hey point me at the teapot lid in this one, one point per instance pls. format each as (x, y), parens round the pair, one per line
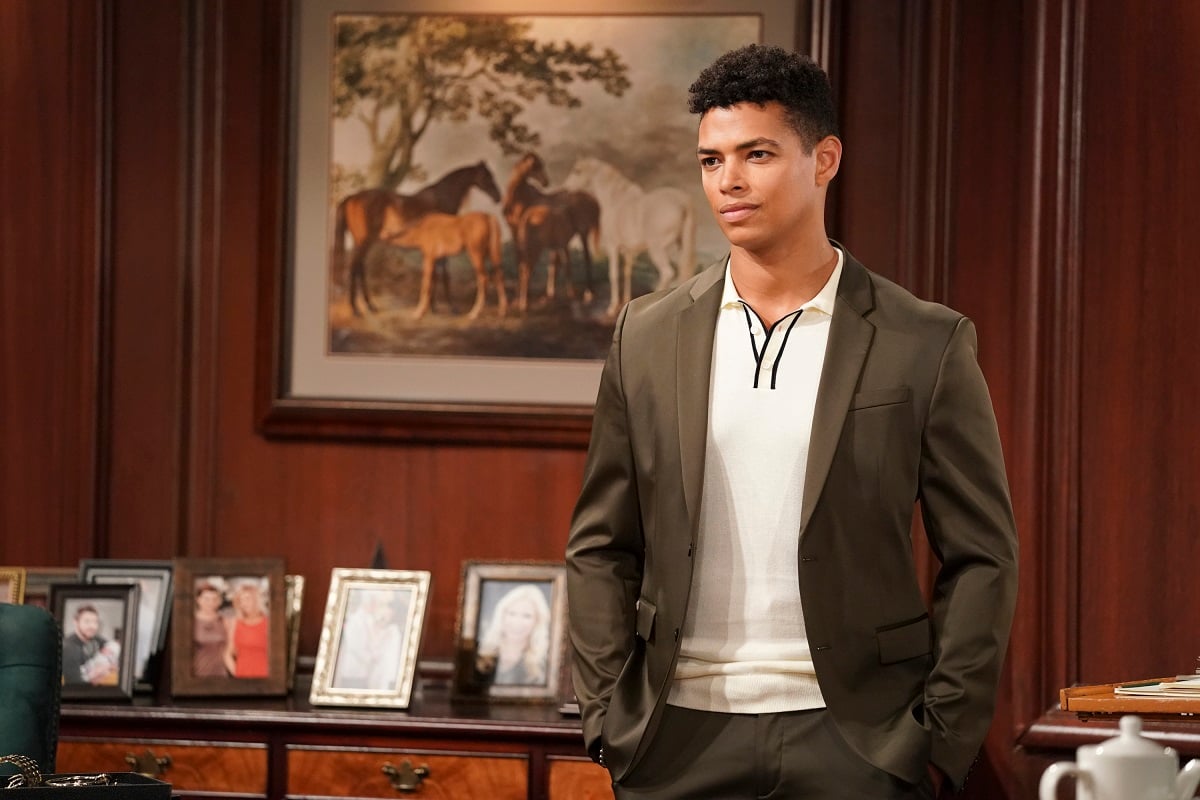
(1131, 743)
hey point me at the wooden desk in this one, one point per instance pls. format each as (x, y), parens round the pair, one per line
(1090, 714)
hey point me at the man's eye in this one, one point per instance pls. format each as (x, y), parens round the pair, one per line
(759, 154)
(711, 161)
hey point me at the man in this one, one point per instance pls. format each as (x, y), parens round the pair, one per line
(744, 610)
(369, 653)
(87, 657)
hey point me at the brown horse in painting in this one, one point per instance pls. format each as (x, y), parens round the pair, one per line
(559, 217)
(541, 228)
(373, 215)
(439, 236)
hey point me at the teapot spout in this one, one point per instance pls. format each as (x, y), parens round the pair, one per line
(1187, 780)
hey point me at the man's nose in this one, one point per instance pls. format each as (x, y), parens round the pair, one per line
(732, 177)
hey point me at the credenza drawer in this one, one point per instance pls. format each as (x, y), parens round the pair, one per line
(235, 767)
(575, 779)
(341, 772)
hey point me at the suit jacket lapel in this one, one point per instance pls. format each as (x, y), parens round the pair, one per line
(849, 341)
(693, 365)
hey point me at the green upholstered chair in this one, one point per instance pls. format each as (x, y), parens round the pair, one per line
(30, 685)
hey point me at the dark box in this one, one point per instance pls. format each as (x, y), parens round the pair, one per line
(126, 786)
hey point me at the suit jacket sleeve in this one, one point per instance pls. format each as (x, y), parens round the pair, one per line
(968, 519)
(604, 552)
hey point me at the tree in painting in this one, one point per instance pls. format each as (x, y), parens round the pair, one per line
(398, 74)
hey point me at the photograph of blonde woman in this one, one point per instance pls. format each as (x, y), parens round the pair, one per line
(210, 634)
(248, 644)
(514, 638)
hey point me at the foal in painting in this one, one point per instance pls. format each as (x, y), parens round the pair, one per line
(439, 236)
(373, 215)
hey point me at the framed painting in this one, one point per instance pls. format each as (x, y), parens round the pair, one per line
(229, 627)
(154, 606)
(99, 624)
(452, 272)
(12, 585)
(370, 638)
(511, 631)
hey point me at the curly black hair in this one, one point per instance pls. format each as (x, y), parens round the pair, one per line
(762, 74)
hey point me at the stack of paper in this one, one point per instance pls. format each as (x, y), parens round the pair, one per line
(1182, 686)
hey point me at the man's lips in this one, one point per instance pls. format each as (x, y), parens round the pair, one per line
(734, 212)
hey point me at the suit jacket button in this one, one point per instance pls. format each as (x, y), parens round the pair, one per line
(677, 634)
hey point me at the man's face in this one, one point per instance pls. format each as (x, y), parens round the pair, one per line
(762, 186)
(87, 625)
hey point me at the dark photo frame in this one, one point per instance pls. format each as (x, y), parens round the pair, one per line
(154, 580)
(229, 628)
(97, 624)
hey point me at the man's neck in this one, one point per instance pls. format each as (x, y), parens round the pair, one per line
(777, 286)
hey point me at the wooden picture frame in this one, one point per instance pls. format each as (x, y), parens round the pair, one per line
(154, 580)
(96, 619)
(12, 585)
(370, 638)
(230, 615)
(510, 634)
(449, 381)
(39, 580)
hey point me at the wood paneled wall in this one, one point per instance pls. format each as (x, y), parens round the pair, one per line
(52, 304)
(1028, 163)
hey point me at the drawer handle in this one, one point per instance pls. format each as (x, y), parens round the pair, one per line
(148, 764)
(407, 778)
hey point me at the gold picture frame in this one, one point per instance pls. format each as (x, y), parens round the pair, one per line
(370, 638)
(295, 603)
(12, 585)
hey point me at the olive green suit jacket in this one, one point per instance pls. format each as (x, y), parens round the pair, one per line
(902, 416)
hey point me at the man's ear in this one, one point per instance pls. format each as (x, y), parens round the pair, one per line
(827, 155)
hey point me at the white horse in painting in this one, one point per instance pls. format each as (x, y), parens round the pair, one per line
(659, 222)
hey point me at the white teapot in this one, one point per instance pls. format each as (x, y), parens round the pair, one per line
(1127, 767)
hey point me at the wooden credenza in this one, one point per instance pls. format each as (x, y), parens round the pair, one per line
(284, 748)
